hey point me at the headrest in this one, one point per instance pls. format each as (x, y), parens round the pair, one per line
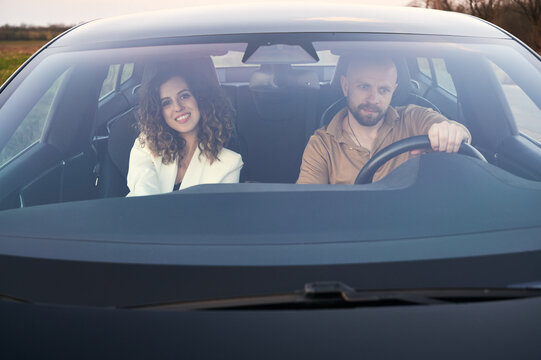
(201, 67)
(283, 78)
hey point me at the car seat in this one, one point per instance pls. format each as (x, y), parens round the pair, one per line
(274, 113)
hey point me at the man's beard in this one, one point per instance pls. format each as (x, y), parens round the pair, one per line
(366, 120)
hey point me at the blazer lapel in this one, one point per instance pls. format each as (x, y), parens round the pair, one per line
(195, 171)
(166, 174)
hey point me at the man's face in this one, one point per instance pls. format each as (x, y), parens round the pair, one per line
(369, 89)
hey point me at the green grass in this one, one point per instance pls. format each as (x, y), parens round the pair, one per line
(8, 65)
(13, 54)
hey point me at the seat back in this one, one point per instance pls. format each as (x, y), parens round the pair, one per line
(122, 132)
(274, 114)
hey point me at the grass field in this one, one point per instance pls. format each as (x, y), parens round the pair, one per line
(13, 54)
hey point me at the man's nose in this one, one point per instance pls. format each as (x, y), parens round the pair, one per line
(373, 96)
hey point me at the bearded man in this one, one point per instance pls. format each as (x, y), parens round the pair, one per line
(336, 153)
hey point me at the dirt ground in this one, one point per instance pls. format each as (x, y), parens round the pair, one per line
(20, 47)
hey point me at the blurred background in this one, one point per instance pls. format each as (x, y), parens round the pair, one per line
(26, 25)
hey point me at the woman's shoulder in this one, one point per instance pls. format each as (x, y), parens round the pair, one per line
(141, 150)
(229, 156)
(139, 144)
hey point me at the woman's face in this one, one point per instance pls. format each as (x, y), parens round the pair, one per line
(179, 107)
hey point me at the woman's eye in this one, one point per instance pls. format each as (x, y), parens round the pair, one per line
(185, 96)
(165, 103)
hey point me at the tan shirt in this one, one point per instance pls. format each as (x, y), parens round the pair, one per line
(332, 157)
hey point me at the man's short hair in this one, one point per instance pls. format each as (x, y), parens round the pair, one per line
(367, 59)
(354, 59)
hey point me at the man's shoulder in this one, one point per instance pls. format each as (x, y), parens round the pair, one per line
(412, 110)
(330, 132)
(418, 114)
(321, 132)
(321, 136)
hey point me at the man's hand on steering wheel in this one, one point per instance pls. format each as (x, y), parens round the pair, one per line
(408, 144)
(445, 137)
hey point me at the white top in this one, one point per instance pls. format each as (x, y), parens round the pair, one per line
(147, 175)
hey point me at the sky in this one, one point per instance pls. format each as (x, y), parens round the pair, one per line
(72, 12)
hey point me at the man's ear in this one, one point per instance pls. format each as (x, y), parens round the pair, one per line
(344, 84)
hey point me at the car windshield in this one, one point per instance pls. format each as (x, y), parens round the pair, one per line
(440, 71)
(69, 121)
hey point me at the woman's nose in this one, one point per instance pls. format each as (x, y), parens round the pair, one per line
(178, 104)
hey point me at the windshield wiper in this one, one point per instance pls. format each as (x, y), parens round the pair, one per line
(321, 290)
(13, 299)
(337, 295)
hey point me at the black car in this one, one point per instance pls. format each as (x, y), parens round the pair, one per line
(440, 259)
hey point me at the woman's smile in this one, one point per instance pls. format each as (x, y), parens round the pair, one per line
(183, 118)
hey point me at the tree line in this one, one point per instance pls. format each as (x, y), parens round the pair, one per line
(521, 18)
(26, 32)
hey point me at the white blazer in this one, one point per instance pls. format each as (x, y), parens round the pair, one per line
(147, 175)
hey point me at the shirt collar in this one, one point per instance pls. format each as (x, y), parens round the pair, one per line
(335, 126)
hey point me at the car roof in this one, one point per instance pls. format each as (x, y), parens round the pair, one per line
(278, 18)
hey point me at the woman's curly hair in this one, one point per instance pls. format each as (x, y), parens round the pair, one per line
(215, 126)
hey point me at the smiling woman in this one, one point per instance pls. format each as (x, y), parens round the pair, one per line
(184, 128)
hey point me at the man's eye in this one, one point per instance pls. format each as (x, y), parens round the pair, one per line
(384, 91)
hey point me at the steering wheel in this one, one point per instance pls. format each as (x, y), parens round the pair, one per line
(415, 142)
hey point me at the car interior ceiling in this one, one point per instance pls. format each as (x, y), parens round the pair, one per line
(276, 112)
